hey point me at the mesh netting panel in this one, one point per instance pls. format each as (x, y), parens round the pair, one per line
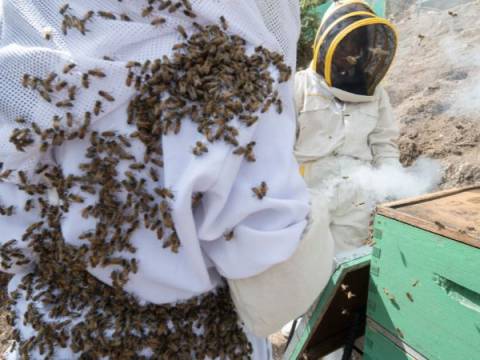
(25, 49)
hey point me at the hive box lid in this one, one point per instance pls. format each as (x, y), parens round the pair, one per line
(454, 214)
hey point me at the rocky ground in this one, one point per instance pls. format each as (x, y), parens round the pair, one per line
(435, 89)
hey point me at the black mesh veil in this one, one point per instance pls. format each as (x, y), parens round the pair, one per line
(354, 48)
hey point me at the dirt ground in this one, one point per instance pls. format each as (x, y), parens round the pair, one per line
(435, 89)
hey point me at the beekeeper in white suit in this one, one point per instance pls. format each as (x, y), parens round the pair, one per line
(345, 120)
(129, 192)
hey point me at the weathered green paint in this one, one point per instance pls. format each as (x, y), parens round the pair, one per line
(425, 289)
(378, 347)
(379, 7)
(303, 333)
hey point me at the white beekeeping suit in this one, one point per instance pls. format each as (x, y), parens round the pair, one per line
(345, 120)
(111, 178)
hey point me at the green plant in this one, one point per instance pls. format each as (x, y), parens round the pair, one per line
(310, 21)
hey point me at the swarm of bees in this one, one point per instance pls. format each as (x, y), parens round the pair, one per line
(210, 80)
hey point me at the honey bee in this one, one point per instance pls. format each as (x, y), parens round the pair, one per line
(45, 96)
(154, 174)
(137, 166)
(138, 82)
(164, 193)
(61, 85)
(165, 5)
(97, 73)
(72, 91)
(6, 174)
(132, 64)
(200, 149)
(353, 60)
(125, 17)
(124, 141)
(64, 9)
(23, 177)
(260, 191)
(198, 27)
(182, 31)
(106, 96)
(47, 34)
(279, 106)
(85, 81)
(157, 162)
(246, 151)
(196, 199)
(350, 295)
(65, 26)
(129, 79)
(20, 120)
(25, 80)
(97, 108)
(56, 122)
(229, 235)
(189, 13)
(248, 120)
(107, 58)
(409, 296)
(87, 119)
(64, 103)
(107, 15)
(36, 128)
(44, 146)
(389, 295)
(174, 7)
(158, 21)
(134, 265)
(186, 4)
(231, 140)
(88, 15)
(378, 51)
(267, 105)
(224, 23)
(147, 11)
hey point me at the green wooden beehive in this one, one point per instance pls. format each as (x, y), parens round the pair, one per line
(424, 294)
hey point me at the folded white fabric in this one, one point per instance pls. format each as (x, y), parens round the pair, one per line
(284, 292)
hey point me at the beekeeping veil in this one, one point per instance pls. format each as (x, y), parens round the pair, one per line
(353, 48)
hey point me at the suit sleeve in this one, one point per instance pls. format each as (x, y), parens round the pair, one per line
(382, 139)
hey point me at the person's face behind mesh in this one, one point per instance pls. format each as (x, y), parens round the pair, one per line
(348, 63)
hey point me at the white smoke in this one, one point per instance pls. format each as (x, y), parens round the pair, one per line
(391, 182)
